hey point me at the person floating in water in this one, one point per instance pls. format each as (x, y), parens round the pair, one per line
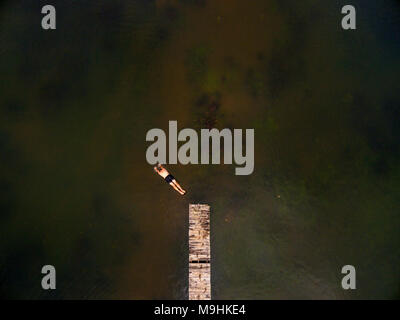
(169, 178)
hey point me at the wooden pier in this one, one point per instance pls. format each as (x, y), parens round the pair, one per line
(199, 252)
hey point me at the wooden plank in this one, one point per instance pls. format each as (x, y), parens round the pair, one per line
(199, 252)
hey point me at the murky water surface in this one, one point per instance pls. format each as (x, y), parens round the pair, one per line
(76, 190)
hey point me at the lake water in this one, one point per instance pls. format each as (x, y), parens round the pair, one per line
(76, 190)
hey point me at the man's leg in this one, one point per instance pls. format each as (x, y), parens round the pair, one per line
(176, 188)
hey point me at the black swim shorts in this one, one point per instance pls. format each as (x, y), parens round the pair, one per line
(169, 178)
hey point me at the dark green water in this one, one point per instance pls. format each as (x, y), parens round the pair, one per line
(77, 192)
